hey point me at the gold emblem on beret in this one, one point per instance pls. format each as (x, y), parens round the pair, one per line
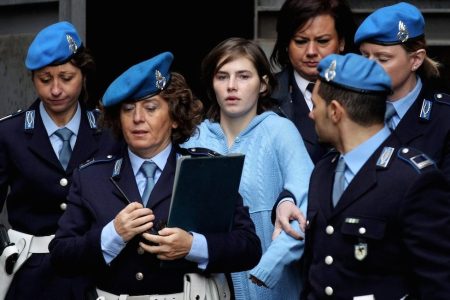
(160, 80)
(330, 73)
(403, 33)
(72, 45)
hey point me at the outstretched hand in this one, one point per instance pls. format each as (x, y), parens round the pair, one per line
(286, 212)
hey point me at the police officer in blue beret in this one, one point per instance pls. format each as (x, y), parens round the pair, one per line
(112, 205)
(39, 149)
(378, 212)
(418, 114)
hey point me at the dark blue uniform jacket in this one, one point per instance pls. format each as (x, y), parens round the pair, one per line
(388, 235)
(94, 201)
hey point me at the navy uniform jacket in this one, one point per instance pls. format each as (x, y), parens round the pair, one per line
(94, 201)
(426, 126)
(38, 186)
(388, 235)
(292, 105)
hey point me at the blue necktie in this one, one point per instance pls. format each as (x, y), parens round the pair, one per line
(64, 153)
(339, 181)
(389, 116)
(148, 168)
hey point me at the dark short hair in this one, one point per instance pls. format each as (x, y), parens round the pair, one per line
(184, 108)
(294, 14)
(227, 51)
(363, 108)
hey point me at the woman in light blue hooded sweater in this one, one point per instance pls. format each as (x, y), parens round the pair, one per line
(238, 79)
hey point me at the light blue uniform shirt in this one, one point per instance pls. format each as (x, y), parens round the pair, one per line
(111, 241)
(51, 127)
(358, 156)
(403, 104)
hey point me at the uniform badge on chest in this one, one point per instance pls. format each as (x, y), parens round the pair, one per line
(361, 251)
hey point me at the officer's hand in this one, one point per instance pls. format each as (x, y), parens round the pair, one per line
(132, 220)
(257, 281)
(287, 211)
(169, 244)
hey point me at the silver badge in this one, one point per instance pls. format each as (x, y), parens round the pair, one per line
(361, 250)
(72, 45)
(117, 166)
(160, 80)
(29, 119)
(403, 33)
(385, 157)
(426, 109)
(330, 73)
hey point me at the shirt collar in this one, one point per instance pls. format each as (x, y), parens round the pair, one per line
(51, 127)
(403, 104)
(159, 159)
(358, 156)
(302, 83)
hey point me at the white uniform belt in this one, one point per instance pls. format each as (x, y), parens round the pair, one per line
(38, 244)
(102, 295)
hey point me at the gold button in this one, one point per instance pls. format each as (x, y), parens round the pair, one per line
(329, 290)
(63, 182)
(140, 250)
(63, 206)
(328, 260)
(329, 229)
(139, 276)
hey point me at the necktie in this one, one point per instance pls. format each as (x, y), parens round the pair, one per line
(389, 115)
(64, 153)
(339, 181)
(148, 168)
(310, 87)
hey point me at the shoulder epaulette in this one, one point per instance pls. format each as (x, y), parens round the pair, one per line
(442, 98)
(198, 151)
(94, 161)
(415, 158)
(20, 111)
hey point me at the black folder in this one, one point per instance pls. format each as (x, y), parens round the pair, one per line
(205, 192)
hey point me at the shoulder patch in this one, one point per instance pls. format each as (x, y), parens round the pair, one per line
(94, 161)
(417, 159)
(14, 114)
(442, 98)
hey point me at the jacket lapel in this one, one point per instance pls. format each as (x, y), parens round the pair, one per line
(126, 182)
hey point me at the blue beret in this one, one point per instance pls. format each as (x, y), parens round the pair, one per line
(354, 72)
(391, 25)
(143, 80)
(54, 44)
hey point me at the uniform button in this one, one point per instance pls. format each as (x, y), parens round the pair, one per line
(406, 150)
(237, 140)
(109, 156)
(307, 223)
(63, 206)
(362, 230)
(140, 250)
(329, 290)
(139, 276)
(439, 96)
(329, 229)
(63, 182)
(328, 260)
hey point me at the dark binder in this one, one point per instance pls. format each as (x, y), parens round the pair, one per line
(205, 192)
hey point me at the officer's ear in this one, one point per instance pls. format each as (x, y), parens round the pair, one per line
(335, 111)
(417, 58)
